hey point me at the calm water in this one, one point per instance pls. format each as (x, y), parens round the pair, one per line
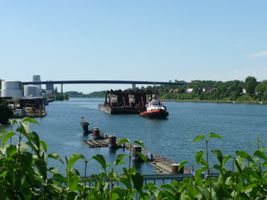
(240, 125)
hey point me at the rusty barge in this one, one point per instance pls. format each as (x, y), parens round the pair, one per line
(127, 101)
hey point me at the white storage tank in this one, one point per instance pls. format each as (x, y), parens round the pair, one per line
(12, 89)
(32, 91)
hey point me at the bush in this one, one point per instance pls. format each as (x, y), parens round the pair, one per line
(5, 112)
(246, 98)
(25, 174)
(61, 97)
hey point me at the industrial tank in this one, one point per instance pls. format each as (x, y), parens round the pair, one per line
(32, 91)
(12, 89)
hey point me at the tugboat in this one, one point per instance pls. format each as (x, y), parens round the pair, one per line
(155, 110)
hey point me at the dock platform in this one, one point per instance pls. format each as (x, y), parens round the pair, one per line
(162, 164)
(96, 143)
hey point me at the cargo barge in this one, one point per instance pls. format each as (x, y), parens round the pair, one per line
(117, 109)
(127, 101)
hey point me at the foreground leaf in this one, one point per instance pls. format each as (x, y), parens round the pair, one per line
(140, 143)
(138, 181)
(7, 136)
(123, 141)
(199, 156)
(198, 138)
(101, 160)
(120, 159)
(214, 135)
(30, 120)
(73, 159)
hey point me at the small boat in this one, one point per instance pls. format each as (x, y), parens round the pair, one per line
(155, 110)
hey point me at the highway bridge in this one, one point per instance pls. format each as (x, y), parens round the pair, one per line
(133, 83)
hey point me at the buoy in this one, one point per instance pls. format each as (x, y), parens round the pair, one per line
(112, 141)
(96, 133)
(149, 156)
(85, 128)
(175, 167)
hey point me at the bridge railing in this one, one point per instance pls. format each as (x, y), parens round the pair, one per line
(105, 82)
(158, 179)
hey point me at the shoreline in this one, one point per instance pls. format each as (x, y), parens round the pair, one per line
(216, 101)
(198, 101)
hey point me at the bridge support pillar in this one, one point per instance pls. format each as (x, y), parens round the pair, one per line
(61, 88)
(133, 86)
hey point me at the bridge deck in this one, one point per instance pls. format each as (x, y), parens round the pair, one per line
(104, 82)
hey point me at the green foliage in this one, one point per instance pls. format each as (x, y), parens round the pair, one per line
(75, 94)
(250, 85)
(245, 99)
(5, 112)
(214, 135)
(100, 94)
(120, 159)
(73, 159)
(25, 174)
(101, 160)
(217, 91)
(261, 91)
(199, 138)
(123, 141)
(61, 97)
(140, 143)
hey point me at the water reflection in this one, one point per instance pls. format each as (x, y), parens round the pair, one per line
(137, 165)
(113, 150)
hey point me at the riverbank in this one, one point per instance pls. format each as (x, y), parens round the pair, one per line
(194, 100)
(214, 101)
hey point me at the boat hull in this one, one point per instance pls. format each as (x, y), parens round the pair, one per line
(155, 114)
(117, 110)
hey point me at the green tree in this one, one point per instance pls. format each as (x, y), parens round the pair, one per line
(261, 90)
(234, 89)
(5, 112)
(250, 85)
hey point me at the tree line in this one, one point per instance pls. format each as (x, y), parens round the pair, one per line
(250, 91)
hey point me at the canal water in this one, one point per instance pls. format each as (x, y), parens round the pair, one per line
(239, 124)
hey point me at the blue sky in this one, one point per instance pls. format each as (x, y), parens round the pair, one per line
(133, 40)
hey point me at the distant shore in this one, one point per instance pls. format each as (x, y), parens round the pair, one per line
(215, 101)
(192, 100)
